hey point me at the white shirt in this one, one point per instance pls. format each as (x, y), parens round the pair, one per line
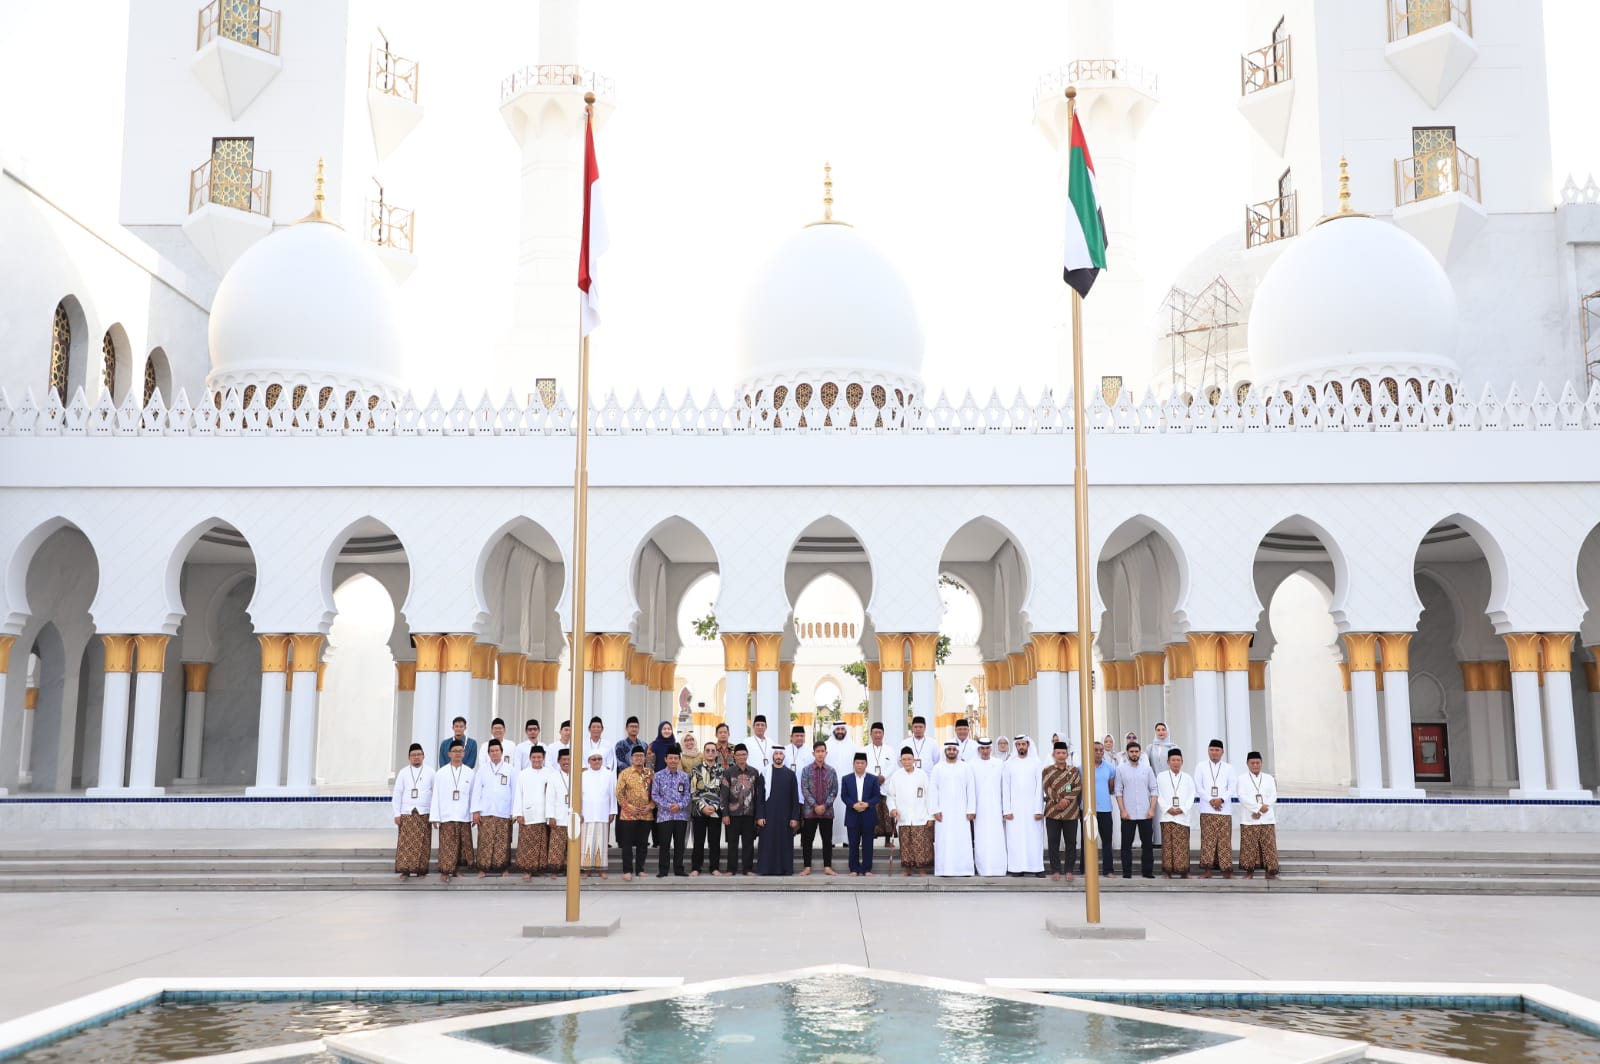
(491, 788)
(880, 762)
(1255, 792)
(452, 794)
(603, 748)
(529, 800)
(599, 795)
(557, 797)
(796, 755)
(760, 750)
(925, 751)
(908, 794)
(1214, 779)
(413, 790)
(967, 749)
(1174, 791)
(521, 756)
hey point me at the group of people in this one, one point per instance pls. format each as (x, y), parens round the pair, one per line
(966, 806)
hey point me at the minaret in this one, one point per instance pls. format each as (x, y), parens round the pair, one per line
(1115, 97)
(543, 107)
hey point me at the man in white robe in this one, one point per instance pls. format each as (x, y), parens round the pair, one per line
(954, 808)
(1022, 799)
(596, 744)
(989, 825)
(909, 802)
(797, 755)
(966, 745)
(841, 758)
(924, 749)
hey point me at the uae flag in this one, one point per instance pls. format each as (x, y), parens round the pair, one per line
(1086, 242)
(595, 238)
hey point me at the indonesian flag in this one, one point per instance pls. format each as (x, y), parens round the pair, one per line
(1086, 223)
(595, 237)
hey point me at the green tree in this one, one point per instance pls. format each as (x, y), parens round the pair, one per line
(706, 627)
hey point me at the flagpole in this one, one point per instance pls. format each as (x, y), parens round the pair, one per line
(1080, 521)
(580, 562)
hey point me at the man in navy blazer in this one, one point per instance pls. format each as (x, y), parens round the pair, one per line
(859, 792)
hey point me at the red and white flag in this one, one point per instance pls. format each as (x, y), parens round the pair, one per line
(595, 238)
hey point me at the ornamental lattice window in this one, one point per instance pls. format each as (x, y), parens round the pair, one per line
(149, 379)
(108, 366)
(60, 352)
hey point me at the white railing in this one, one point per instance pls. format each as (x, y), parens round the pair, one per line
(1358, 405)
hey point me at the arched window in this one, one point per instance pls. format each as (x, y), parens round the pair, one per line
(157, 374)
(108, 369)
(60, 352)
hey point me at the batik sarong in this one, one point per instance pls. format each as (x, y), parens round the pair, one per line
(1175, 849)
(1216, 842)
(916, 847)
(1258, 847)
(455, 847)
(413, 845)
(532, 840)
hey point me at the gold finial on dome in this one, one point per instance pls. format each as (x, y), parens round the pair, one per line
(319, 197)
(1345, 210)
(827, 199)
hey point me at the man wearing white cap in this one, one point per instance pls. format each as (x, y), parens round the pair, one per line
(989, 825)
(954, 808)
(598, 809)
(841, 758)
(1022, 799)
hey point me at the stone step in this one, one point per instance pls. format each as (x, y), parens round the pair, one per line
(1535, 886)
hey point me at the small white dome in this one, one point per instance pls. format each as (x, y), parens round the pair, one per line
(1354, 297)
(308, 306)
(828, 304)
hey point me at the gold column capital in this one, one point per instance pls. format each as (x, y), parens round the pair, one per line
(532, 674)
(1361, 650)
(30, 698)
(785, 676)
(736, 651)
(6, 643)
(1523, 648)
(288, 679)
(305, 651)
(639, 669)
(119, 652)
(875, 676)
(1556, 648)
(1591, 673)
(151, 653)
(1110, 676)
(552, 675)
(611, 651)
(768, 646)
(1128, 675)
(1018, 664)
(1002, 674)
(274, 653)
(1049, 652)
(1258, 676)
(322, 674)
(457, 653)
(1235, 651)
(1030, 658)
(483, 655)
(891, 651)
(430, 652)
(508, 668)
(1474, 677)
(1499, 673)
(1396, 651)
(1206, 649)
(1151, 665)
(1180, 661)
(405, 676)
(1344, 675)
(1072, 659)
(196, 676)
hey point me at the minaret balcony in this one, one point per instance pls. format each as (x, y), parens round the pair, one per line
(1439, 199)
(236, 51)
(390, 232)
(392, 102)
(1271, 220)
(1120, 90)
(527, 95)
(1431, 44)
(1266, 91)
(230, 208)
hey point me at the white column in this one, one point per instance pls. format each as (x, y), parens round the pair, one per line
(736, 691)
(482, 698)
(892, 708)
(767, 703)
(1235, 648)
(508, 693)
(1476, 683)
(1501, 725)
(427, 697)
(1208, 719)
(1260, 712)
(1527, 714)
(1074, 721)
(114, 714)
(269, 731)
(196, 675)
(405, 703)
(150, 665)
(1180, 699)
(1366, 758)
(1047, 717)
(30, 706)
(455, 683)
(1561, 735)
(1591, 671)
(1149, 669)
(7, 642)
(1402, 778)
(306, 655)
(924, 701)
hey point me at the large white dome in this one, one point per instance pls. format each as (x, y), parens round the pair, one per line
(307, 307)
(828, 307)
(1354, 297)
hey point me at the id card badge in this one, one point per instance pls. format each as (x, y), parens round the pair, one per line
(1258, 799)
(1213, 792)
(455, 796)
(413, 792)
(502, 781)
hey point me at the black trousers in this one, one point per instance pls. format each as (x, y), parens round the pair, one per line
(808, 833)
(707, 829)
(1147, 853)
(1055, 833)
(1102, 820)
(669, 837)
(633, 839)
(860, 839)
(741, 843)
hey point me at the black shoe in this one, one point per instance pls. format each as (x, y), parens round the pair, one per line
(1147, 875)
(1127, 875)
(661, 875)
(1038, 875)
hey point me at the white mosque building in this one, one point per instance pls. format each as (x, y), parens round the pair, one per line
(1343, 506)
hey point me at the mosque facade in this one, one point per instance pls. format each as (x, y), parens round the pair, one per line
(239, 556)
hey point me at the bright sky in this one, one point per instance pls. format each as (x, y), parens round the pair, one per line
(726, 111)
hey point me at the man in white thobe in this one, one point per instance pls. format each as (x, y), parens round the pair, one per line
(759, 747)
(842, 759)
(954, 808)
(966, 745)
(797, 755)
(909, 801)
(989, 826)
(1022, 800)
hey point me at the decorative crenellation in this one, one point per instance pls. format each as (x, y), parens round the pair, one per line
(1358, 405)
(1572, 193)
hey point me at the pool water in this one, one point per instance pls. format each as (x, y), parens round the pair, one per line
(841, 1019)
(177, 1030)
(1484, 1037)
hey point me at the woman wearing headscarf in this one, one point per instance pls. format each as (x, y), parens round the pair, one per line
(660, 746)
(691, 753)
(1002, 749)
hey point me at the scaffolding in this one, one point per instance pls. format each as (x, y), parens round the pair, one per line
(1589, 325)
(1201, 336)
